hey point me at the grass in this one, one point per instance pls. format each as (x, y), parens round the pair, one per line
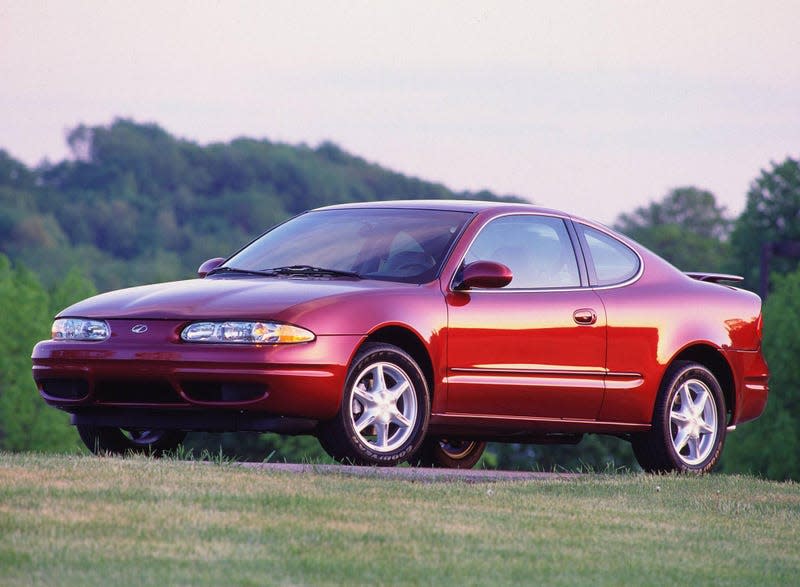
(75, 520)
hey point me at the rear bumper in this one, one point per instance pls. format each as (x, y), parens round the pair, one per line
(752, 374)
(175, 379)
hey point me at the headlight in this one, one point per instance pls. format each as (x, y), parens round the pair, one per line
(246, 332)
(80, 329)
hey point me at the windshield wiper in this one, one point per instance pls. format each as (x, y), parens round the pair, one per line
(219, 270)
(310, 270)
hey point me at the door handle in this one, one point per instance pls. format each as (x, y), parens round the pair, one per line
(584, 316)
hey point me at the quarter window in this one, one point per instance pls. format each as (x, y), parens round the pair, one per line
(537, 249)
(613, 261)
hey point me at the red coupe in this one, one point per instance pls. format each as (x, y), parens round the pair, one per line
(417, 331)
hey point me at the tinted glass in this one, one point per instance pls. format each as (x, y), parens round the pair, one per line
(613, 261)
(537, 249)
(390, 244)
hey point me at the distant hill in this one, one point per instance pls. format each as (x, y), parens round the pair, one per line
(136, 204)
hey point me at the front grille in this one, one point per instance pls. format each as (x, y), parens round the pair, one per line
(136, 392)
(222, 392)
(66, 388)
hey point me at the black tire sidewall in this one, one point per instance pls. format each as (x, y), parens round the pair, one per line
(344, 442)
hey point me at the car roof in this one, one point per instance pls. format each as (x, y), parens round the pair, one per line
(454, 205)
(473, 206)
(478, 206)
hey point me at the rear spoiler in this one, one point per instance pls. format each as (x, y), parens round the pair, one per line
(714, 277)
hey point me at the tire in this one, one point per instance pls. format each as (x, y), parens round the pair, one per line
(384, 412)
(449, 454)
(117, 441)
(688, 430)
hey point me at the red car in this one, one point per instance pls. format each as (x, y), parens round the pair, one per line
(417, 331)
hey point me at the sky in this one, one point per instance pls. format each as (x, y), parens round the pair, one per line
(595, 108)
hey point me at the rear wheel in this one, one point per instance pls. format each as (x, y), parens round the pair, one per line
(119, 441)
(450, 454)
(384, 412)
(688, 423)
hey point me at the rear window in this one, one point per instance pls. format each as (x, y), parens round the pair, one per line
(614, 262)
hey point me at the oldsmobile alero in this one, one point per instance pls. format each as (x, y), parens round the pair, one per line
(417, 331)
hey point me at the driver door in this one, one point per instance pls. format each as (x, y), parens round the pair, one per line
(535, 348)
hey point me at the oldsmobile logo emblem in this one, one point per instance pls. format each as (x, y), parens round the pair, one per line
(139, 329)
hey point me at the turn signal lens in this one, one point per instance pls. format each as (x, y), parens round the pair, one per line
(80, 329)
(246, 333)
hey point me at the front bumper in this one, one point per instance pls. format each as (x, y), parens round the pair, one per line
(213, 420)
(157, 373)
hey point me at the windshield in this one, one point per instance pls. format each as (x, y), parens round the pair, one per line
(388, 243)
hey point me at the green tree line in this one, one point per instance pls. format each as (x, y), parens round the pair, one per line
(134, 204)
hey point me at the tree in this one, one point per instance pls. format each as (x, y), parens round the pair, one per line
(26, 422)
(687, 227)
(770, 445)
(772, 214)
(14, 174)
(73, 287)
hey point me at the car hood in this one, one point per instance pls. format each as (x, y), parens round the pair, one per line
(229, 298)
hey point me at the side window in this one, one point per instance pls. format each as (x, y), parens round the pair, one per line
(537, 249)
(613, 261)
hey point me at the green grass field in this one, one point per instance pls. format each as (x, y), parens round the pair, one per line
(75, 520)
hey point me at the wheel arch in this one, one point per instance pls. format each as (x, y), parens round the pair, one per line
(411, 343)
(713, 360)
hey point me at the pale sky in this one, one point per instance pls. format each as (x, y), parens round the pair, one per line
(590, 107)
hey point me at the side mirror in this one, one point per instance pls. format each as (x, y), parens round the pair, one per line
(485, 275)
(209, 266)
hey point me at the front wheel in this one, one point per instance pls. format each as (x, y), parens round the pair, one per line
(384, 412)
(450, 454)
(118, 441)
(688, 423)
